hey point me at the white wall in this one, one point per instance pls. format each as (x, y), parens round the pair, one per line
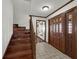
(21, 17)
(7, 23)
(21, 20)
(65, 8)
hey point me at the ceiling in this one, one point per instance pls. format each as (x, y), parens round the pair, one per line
(33, 7)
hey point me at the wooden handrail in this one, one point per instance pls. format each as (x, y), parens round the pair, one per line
(33, 38)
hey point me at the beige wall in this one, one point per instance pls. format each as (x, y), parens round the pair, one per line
(7, 23)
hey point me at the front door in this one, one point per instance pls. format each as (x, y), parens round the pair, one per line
(41, 29)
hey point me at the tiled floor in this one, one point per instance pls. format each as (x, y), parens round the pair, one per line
(46, 51)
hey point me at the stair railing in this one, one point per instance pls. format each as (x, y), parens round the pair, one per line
(33, 38)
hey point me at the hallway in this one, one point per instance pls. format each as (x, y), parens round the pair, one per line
(46, 51)
(39, 29)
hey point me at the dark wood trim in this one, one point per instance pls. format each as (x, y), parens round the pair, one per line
(45, 27)
(65, 11)
(7, 47)
(60, 8)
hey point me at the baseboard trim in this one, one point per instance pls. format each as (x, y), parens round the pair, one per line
(7, 46)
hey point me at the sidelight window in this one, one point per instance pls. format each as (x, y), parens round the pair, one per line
(70, 24)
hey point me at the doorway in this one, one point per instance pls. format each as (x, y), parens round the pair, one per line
(41, 30)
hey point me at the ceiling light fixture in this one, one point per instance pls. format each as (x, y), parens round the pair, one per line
(45, 8)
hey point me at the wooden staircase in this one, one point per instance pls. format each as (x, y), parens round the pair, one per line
(20, 46)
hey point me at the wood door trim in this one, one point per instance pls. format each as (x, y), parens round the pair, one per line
(74, 37)
(48, 31)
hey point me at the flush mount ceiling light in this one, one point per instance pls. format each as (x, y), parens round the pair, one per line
(45, 8)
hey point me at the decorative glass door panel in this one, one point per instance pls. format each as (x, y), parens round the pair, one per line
(41, 29)
(60, 27)
(70, 24)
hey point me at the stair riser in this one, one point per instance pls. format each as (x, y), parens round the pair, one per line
(21, 32)
(21, 35)
(11, 50)
(23, 41)
(16, 43)
(27, 53)
(20, 28)
(20, 46)
(22, 57)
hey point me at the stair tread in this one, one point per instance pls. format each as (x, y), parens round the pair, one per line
(21, 39)
(21, 35)
(20, 45)
(17, 54)
(18, 50)
(17, 39)
(20, 29)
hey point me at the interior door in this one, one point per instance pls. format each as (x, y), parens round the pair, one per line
(41, 29)
(54, 32)
(57, 40)
(71, 30)
(62, 32)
